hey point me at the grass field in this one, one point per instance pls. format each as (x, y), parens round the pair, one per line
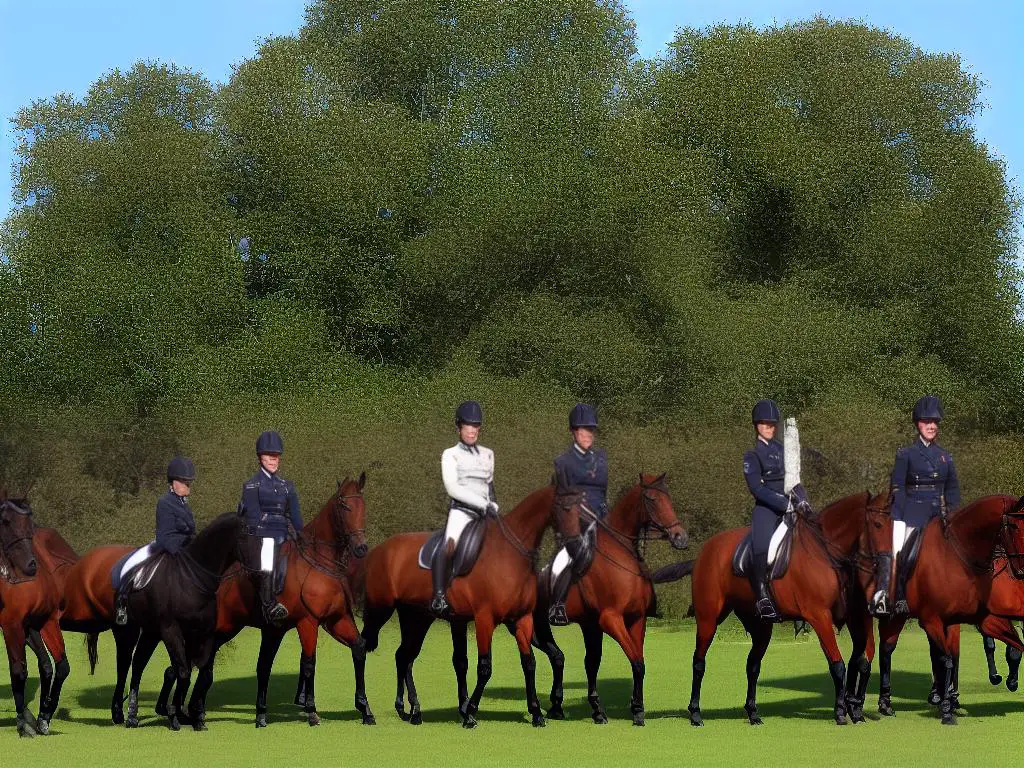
(795, 701)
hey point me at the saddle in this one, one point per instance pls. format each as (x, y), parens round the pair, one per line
(777, 568)
(466, 551)
(140, 576)
(582, 559)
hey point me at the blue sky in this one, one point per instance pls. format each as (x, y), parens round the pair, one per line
(50, 46)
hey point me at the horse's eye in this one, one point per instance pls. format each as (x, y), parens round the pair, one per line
(878, 525)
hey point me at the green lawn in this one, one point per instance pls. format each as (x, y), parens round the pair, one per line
(795, 701)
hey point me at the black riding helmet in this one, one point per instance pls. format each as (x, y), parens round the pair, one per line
(181, 468)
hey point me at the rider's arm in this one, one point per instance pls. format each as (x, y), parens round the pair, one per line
(776, 502)
(450, 477)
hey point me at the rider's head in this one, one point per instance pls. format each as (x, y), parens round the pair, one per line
(765, 417)
(269, 447)
(180, 474)
(583, 425)
(926, 415)
(469, 417)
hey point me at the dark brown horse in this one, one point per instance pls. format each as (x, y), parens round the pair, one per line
(316, 594)
(967, 572)
(501, 589)
(615, 595)
(30, 603)
(814, 588)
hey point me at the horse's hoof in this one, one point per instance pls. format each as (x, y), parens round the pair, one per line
(756, 720)
(995, 679)
(841, 718)
(313, 718)
(638, 720)
(468, 721)
(131, 722)
(416, 718)
(539, 721)
(856, 715)
(261, 720)
(161, 708)
(885, 708)
(27, 726)
(369, 719)
(934, 699)
(175, 723)
(116, 716)
(948, 718)
(199, 725)
(43, 726)
(600, 718)
(954, 702)
(556, 713)
(695, 718)
(1011, 684)
(400, 709)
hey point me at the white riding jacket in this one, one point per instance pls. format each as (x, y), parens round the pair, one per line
(468, 475)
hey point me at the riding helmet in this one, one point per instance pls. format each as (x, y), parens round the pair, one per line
(469, 412)
(181, 468)
(928, 408)
(766, 410)
(269, 442)
(582, 415)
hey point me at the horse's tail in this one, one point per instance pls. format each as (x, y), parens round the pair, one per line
(673, 572)
(92, 646)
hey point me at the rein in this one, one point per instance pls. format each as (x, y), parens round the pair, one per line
(7, 570)
(635, 543)
(310, 548)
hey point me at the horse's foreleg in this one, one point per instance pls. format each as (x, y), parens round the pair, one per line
(54, 643)
(143, 650)
(593, 640)
(523, 631)
(345, 631)
(544, 640)
(174, 641)
(707, 625)
(888, 635)
(35, 641)
(946, 639)
(638, 633)
(760, 638)
(858, 673)
(14, 639)
(125, 640)
(822, 624)
(460, 658)
(989, 644)
(308, 629)
(270, 642)
(204, 680)
(484, 634)
(998, 628)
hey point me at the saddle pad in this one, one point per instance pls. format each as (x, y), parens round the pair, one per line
(777, 569)
(466, 551)
(141, 575)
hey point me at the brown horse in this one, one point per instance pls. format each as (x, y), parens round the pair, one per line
(615, 595)
(29, 604)
(966, 573)
(501, 589)
(316, 594)
(814, 589)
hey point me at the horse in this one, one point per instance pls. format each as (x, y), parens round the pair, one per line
(965, 573)
(178, 607)
(500, 589)
(29, 603)
(814, 589)
(615, 595)
(316, 594)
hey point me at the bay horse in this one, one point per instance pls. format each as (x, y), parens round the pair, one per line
(814, 588)
(615, 595)
(500, 589)
(966, 573)
(29, 603)
(178, 607)
(316, 593)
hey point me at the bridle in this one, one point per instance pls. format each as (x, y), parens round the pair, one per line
(311, 550)
(7, 568)
(1007, 547)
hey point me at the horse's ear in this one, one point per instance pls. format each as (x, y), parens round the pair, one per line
(339, 485)
(661, 477)
(362, 479)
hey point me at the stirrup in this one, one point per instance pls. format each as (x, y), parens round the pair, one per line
(880, 603)
(439, 606)
(766, 610)
(275, 613)
(121, 616)
(901, 607)
(557, 616)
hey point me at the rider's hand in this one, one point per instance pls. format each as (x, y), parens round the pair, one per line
(804, 507)
(491, 509)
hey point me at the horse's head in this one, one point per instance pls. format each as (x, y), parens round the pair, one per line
(875, 545)
(1012, 538)
(348, 514)
(16, 531)
(658, 512)
(565, 511)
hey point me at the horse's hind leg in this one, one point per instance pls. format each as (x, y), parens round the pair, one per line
(307, 629)
(760, 639)
(707, 625)
(1003, 630)
(374, 617)
(35, 641)
(989, 644)
(414, 625)
(460, 656)
(858, 673)
(125, 640)
(144, 648)
(593, 639)
(54, 643)
(204, 680)
(270, 641)
(544, 640)
(484, 634)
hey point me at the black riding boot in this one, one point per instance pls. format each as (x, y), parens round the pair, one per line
(559, 591)
(900, 605)
(883, 580)
(273, 611)
(439, 573)
(759, 581)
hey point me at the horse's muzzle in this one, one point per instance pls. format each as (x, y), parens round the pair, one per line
(31, 567)
(360, 550)
(679, 541)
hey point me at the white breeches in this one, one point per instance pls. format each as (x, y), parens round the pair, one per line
(900, 533)
(562, 560)
(137, 558)
(267, 556)
(457, 522)
(776, 541)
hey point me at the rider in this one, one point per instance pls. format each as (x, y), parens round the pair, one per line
(764, 469)
(467, 470)
(175, 528)
(584, 468)
(269, 503)
(924, 486)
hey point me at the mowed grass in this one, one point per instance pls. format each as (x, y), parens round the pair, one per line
(795, 700)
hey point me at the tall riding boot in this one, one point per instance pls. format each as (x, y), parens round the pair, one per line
(880, 601)
(439, 573)
(759, 581)
(559, 591)
(900, 605)
(273, 611)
